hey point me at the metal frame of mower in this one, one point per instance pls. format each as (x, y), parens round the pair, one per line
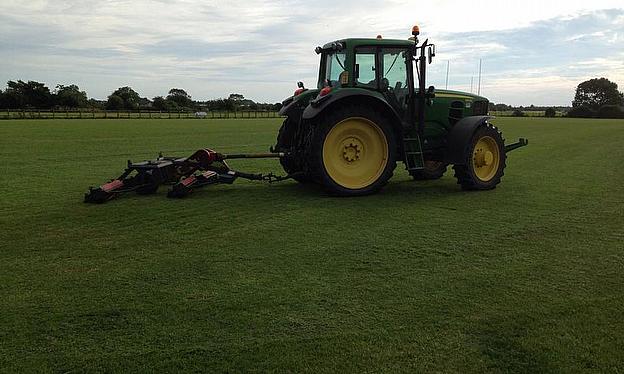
(185, 175)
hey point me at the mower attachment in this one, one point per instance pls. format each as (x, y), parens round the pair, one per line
(204, 168)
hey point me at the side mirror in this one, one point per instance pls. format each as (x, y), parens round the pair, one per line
(432, 53)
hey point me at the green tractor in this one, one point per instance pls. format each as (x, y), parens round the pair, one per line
(372, 109)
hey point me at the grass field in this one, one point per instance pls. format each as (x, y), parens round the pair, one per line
(251, 277)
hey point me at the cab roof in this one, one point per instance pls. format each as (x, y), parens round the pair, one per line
(356, 42)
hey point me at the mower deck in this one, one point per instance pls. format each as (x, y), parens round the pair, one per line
(204, 168)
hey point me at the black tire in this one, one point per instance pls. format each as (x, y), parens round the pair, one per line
(466, 173)
(285, 140)
(434, 170)
(324, 125)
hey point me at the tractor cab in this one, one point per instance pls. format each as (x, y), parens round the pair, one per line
(378, 65)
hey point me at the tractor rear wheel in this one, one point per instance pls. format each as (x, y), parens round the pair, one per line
(484, 161)
(353, 151)
(433, 170)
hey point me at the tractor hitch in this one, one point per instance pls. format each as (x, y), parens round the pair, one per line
(204, 168)
(512, 147)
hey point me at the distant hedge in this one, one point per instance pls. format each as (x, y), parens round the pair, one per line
(605, 111)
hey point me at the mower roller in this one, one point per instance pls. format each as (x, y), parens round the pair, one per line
(204, 168)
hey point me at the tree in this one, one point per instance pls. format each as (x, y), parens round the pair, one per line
(145, 104)
(238, 101)
(159, 103)
(595, 93)
(8, 101)
(502, 108)
(163, 104)
(180, 97)
(517, 113)
(115, 102)
(129, 97)
(550, 112)
(96, 104)
(236, 97)
(3, 101)
(29, 94)
(229, 105)
(70, 96)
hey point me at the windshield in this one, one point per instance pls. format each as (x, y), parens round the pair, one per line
(334, 68)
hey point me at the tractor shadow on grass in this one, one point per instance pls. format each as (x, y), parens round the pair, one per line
(398, 188)
(442, 194)
(409, 187)
(395, 188)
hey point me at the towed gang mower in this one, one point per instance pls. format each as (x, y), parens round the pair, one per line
(204, 168)
(371, 108)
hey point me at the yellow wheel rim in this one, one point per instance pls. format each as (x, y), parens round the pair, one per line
(355, 153)
(486, 158)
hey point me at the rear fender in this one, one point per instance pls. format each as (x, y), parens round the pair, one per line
(293, 106)
(348, 96)
(460, 137)
(292, 109)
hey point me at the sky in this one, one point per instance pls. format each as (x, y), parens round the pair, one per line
(533, 52)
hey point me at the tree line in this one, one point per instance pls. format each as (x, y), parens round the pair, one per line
(520, 111)
(36, 95)
(595, 98)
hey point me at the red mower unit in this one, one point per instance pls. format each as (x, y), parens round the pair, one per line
(204, 168)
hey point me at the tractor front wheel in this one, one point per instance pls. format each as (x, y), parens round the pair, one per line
(484, 161)
(353, 151)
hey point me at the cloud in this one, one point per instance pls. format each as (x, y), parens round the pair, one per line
(261, 47)
(552, 54)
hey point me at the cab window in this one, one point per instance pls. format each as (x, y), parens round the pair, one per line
(395, 70)
(366, 68)
(335, 66)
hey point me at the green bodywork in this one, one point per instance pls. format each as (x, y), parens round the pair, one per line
(437, 115)
(441, 112)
